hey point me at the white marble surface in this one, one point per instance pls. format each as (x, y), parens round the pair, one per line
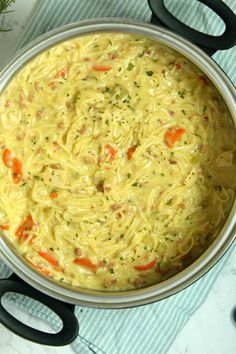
(22, 10)
(210, 330)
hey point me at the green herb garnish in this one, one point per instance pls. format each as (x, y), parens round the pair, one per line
(130, 66)
(4, 4)
(182, 93)
(149, 73)
(134, 184)
(38, 178)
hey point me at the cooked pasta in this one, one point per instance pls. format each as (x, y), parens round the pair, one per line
(117, 167)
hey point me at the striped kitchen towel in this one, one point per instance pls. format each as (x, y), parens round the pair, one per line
(149, 329)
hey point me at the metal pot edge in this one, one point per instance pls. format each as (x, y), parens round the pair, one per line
(227, 91)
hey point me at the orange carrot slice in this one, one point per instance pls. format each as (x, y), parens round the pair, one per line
(62, 72)
(10, 161)
(49, 258)
(110, 151)
(130, 152)
(85, 262)
(4, 227)
(23, 237)
(26, 226)
(146, 266)
(7, 157)
(172, 136)
(17, 170)
(102, 68)
(53, 195)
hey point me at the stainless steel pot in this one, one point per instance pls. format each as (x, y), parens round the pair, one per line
(100, 299)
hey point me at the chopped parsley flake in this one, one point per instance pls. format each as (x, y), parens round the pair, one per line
(135, 184)
(182, 93)
(38, 178)
(149, 73)
(130, 66)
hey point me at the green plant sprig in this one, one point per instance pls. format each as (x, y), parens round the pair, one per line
(4, 4)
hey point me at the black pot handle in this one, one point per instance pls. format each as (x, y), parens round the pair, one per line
(210, 44)
(70, 323)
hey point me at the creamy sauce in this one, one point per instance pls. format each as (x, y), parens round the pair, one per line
(117, 166)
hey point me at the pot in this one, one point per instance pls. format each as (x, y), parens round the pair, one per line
(58, 296)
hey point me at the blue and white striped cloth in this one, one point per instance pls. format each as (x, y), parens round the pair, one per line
(149, 329)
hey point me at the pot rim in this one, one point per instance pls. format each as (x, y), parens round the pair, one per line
(122, 299)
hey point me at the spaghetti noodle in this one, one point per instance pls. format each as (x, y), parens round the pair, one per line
(117, 166)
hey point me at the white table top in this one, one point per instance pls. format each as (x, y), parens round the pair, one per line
(210, 330)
